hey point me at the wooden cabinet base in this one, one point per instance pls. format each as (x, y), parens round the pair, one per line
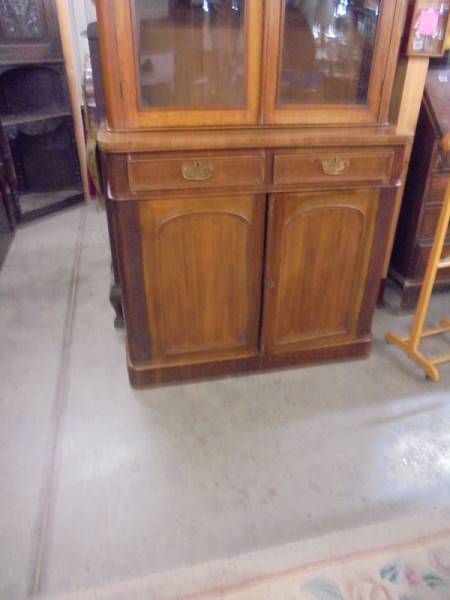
(145, 375)
(248, 276)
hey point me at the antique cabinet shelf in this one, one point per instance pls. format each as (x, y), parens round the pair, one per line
(35, 109)
(250, 175)
(29, 32)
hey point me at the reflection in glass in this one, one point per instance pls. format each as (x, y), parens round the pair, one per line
(328, 50)
(191, 52)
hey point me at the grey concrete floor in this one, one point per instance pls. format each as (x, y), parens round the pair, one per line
(102, 483)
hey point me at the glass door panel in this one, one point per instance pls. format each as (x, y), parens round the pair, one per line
(191, 53)
(182, 63)
(328, 49)
(332, 62)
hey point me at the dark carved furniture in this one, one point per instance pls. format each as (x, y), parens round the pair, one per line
(6, 214)
(98, 112)
(35, 108)
(28, 31)
(99, 88)
(424, 191)
(7, 187)
(251, 177)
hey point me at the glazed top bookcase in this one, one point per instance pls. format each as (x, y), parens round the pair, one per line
(248, 62)
(251, 176)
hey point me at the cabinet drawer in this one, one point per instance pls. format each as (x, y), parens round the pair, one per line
(333, 165)
(437, 189)
(430, 220)
(185, 172)
(422, 255)
(441, 162)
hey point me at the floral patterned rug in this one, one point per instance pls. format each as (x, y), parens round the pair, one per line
(406, 559)
(403, 559)
(418, 572)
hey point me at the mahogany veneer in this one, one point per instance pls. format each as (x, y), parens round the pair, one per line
(251, 236)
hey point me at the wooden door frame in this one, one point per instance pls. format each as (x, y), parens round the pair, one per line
(387, 45)
(119, 61)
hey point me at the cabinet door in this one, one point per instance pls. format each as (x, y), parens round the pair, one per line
(318, 253)
(331, 62)
(181, 62)
(202, 262)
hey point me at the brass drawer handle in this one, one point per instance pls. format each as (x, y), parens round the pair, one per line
(197, 170)
(335, 166)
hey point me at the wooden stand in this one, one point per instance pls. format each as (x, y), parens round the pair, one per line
(410, 344)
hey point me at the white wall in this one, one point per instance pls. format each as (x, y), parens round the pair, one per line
(90, 10)
(82, 12)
